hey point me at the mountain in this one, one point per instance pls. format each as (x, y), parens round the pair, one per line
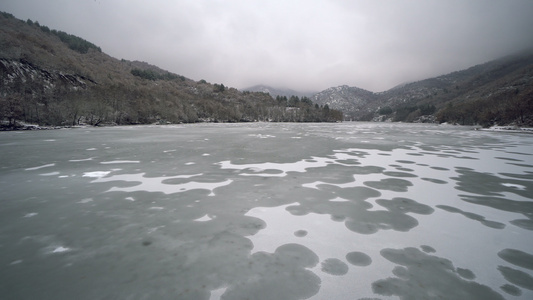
(274, 92)
(50, 77)
(352, 101)
(496, 92)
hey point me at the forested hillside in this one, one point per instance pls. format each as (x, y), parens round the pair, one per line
(50, 77)
(499, 92)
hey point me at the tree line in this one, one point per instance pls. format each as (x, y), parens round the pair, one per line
(73, 42)
(152, 75)
(141, 102)
(506, 108)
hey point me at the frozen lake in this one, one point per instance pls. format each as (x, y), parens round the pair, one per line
(266, 211)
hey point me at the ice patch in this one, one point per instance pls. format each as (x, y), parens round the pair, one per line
(157, 184)
(339, 199)
(91, 149)
(314, 185)
(206, 154)
(16, 262)
(179, 188)
(156, 208)
(130, 199)
(86, 200)
(96, 174)
(60, 249)
(217, 294)
(260, 168)
(120, 162)
(51, 140)
(516, 186)
(29, 215)
(204, 219)
(167, 151)
(262, 136)
(78, 160)
(40, 167)
(151, 230)
(281, 226)
(190, 163)
(49, 174)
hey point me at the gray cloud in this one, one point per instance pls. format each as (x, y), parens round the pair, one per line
(304, 45)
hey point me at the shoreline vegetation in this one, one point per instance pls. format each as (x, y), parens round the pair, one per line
(35, 127)
(4, 126)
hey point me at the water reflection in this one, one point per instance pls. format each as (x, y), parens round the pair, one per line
(423, 276)
(521, 207)
(520, 278)
(334, 266)
(473, 216)
(283, 274)
(517, 258)
(358, 259)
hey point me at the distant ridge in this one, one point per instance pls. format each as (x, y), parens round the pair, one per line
(499, 92)
(352, 101)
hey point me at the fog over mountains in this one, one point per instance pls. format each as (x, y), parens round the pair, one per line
(302, 45)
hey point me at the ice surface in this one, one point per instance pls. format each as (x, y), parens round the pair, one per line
(159, 184)
(290, 211)
(280, 169)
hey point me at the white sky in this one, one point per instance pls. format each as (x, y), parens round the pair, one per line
(306, 45)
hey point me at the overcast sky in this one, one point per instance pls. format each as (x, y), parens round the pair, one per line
(300, 44)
